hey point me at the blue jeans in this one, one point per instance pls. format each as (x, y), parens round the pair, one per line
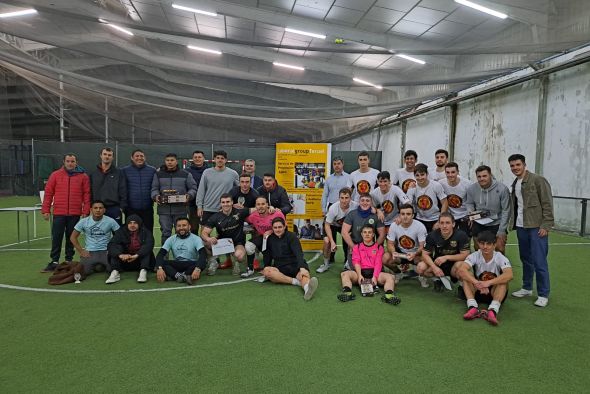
(533, 254)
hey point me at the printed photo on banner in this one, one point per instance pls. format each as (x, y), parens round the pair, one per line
(298, 203)
(310, 175)
(310, 229)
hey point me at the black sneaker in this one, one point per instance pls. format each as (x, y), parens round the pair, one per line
(393, 300)
(181, 278)
(345, 297)
(461, 293)
(188, 279)
(438, 286)
(50, 267)
(376, 289)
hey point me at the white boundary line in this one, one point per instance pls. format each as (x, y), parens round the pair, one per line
(24, 242)
(126, 291)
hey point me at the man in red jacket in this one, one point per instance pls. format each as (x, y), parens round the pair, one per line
(68, 192)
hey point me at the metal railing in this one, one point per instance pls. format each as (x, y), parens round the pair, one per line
(584, 202)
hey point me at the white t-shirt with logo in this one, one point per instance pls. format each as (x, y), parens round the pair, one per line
(363, 182)
(519, 203)
(407, 239)
(456, 196)
(425, 200)
(335, 216)
(495, 266)
(389, 202)
(404, 178)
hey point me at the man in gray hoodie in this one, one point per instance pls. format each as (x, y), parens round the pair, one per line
(493, 198)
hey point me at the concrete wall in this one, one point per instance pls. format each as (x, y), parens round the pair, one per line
(514, 120)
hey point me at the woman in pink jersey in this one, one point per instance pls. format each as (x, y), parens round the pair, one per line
(366, 259)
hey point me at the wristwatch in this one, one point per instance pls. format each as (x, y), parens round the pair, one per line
(160, 268)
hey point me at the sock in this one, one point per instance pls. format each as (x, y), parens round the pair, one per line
(495, 305)
(346, 289)
(251, 262)
(306, 287)
(295, 282)
(326, 261)
(471, 303)
(389, 294)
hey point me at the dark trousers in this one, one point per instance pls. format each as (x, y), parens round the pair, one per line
(147, 215)
(194, 219)
(171, 267)
(338, 230)
(62, 225)
(141, 263)
(115, 213)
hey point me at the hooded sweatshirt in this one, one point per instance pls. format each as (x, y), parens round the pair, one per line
(121, 240)
(277, 197)
(495, 199)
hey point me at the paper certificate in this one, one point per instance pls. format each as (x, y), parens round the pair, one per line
(223, 246)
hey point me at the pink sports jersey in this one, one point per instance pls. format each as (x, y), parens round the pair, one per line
(368, 257)
(263, 224)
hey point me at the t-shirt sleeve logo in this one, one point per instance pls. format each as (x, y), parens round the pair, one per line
(387, 207)
(454, 201)
(406, 242)
(424, 202)
(371, 221)
(363, 186)
(408, 183)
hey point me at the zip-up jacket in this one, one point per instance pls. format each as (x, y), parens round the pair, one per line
(139, 186)
(285, 250)
(110, 187)
(178, 180)
(276, 197)
(67, 192)
(495, 199)
(197, 172)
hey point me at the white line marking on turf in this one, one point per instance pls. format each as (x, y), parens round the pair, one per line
(24, 242)
(114, 291)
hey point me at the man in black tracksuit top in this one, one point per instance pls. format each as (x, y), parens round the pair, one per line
(284, 261)
(275, 194)
(243, 195)
(196, 169)
(109, 185)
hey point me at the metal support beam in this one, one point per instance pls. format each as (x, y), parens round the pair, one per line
(452, 130)
(133, 128)
(61, 110)
(404, 125)
(541, 120)
(106, 120)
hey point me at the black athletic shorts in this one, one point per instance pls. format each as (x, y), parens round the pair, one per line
(429, 225)
(463, 224)
(291, 270)
(446, 268)
(367, 273)
(478, 228)
(487, 298)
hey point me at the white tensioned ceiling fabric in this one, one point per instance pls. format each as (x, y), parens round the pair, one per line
(152, 81)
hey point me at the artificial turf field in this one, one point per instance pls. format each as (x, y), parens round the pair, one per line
(252, 337)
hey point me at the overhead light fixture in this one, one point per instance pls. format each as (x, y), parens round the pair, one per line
(367, 83)
(204, 49)
(481, 8)
(193, 10)
(28, 11)
(305, 33)
(288, 66)
(119, 28)
(410, 58)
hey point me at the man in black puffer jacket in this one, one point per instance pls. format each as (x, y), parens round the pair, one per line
(131, 249)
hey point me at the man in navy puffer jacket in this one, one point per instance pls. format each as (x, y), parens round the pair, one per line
(139, 178)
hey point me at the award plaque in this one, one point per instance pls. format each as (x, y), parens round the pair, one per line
(401, 255)
(475, 215)
(367, 288)
(171, 196)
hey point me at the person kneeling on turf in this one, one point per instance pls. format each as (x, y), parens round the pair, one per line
(488, 283)
(189, 255)
(284, 261)
(367, 262)
(131, 249)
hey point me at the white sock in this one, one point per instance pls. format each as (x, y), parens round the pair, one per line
(326, 261)
(495, 305)
(306, 287)
(295, 282)
(471, 303)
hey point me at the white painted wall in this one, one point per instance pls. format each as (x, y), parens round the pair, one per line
(425, 134)
(390, 144)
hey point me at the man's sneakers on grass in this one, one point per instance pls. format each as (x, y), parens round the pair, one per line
(472, 313)
(323, 268)
(50, 267)
(522, 293)
(310, 288)
(391, 298)
(142, 277)
(542, 302)
(346, 296)
(114, 277)
(423, 281)
(490, 316)
(184, 278)
(247, 274)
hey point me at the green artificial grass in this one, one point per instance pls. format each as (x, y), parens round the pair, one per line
(252, 337)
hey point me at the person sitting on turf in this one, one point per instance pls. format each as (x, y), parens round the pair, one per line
(284, 261)
(189, 255)
(333, 225)
(261, 220)
(406, 238)
(444, 250)
(367, 261)
(488, 283)
(355, 220)
(229, 223)
(131, 249)
(98, 230)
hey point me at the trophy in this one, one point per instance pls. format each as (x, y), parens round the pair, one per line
(480, 214)
(367, 288)
(171, 196)
(77, 277)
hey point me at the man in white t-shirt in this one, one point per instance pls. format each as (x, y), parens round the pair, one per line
(405, 242)
(426, 197)
(488, 282)
(455, 188)
(364, 180)
(441, 158)
(404, 177)
(387, 199)
(333, 225)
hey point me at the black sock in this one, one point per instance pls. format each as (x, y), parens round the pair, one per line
(389, 292)
(346, 289)
(251, 262)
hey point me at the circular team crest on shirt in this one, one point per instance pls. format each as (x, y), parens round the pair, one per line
(424, 202)
(454, 201)
(363, 187)
(487, 275)
(371, 221)
(406, 242)
(408, 183)
(387, 207)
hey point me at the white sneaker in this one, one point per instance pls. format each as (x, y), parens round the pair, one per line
(142, 278)
(446, 282)
(423, 281)
(247, 274)
(347, 266)
(311, 288)
(113, 278)
(542, 302)
(522, 293)
(262, 279)
(323, 268)
(213, 264)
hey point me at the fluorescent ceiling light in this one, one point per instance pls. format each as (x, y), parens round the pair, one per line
(482, 9)
(18, 13)
(410, 58)
(367, 83)
(288, 66)
(115, 27)
(288, 29)
(204, 49)
(193, 10)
